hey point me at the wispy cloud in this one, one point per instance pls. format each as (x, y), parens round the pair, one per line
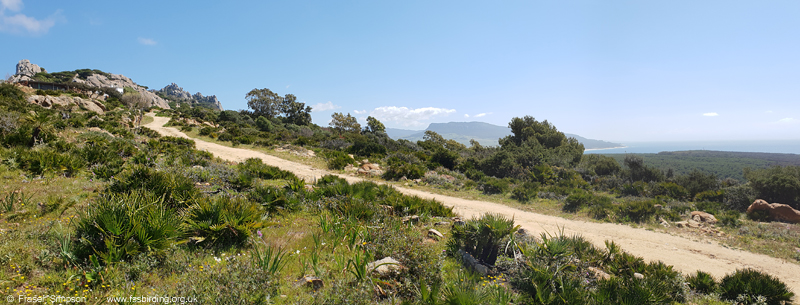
(17, 23)
(768, 111)
(710, 114)
(324, 107)
(480, 115)
(786, 121)
(147, 41)
(409, 117)
(466, 115)
(359, 111)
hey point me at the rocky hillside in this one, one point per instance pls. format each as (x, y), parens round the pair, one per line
(177, 94)
(27, 71)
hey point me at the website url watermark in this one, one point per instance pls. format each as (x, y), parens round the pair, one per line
(60, 299)
(152, 299)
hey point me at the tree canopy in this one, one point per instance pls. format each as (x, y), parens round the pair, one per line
(269, 104)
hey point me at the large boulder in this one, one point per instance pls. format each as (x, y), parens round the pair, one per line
(700, 216)
(47, 101)
(121, 81)
(177, 92)
(25, 71)
(777, 211)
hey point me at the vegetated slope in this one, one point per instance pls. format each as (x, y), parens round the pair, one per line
(684, 254)
(724, 164)
(485, 133)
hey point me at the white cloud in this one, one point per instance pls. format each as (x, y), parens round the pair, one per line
(786, 121)
(22, 24)
(359, 111)
(710, 114)
(466, 115)
(147, 41)
(409, 117)
(479, 115)
(768, 111)
(12, 5)
(324, 107)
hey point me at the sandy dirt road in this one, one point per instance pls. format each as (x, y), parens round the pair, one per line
(686, 255)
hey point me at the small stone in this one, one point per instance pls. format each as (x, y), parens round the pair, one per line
(433, 233)
(638, 275)
(412, 219)
(442, 224)
(311, 282)
(599, 274)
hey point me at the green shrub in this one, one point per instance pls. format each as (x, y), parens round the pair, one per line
(221, 222)
(481, 237)
(577, 200)
(274, 199)
(711, 196)
(525, 192)
(702, 282)
(637, 210)
(739, 197)
(747, 284)
(208, 130)
(177, 190)
(255, 167)
(338, 160)
(397, 171)
(730, 219)
(760, 216)
(118, 226)
(495, 186)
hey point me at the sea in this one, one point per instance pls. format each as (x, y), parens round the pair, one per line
(766, 146)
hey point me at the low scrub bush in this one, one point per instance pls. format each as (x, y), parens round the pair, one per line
(637, 210)
(746, 285)
(525, 192)
(338, 160)
(730, 218)
(274, 200)
(481, 237)
(398, 171)
(177, 190)
(117, 227)
(221, 222)
(711, 196)
(702, 282)
(494, 186)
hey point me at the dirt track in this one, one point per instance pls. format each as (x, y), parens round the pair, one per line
(686, 255)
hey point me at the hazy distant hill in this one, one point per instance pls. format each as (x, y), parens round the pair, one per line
(485, 133)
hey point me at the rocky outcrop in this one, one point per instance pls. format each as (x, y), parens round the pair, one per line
(25, 71)
(121, 81)
(48, 102)
(777, 211)
(174, 91)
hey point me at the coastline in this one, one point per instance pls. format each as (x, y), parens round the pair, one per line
(593, 149)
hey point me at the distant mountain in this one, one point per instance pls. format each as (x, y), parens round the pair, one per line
(485, 133)
(395, 133)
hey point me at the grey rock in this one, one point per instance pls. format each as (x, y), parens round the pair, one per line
(473, 263)
(173, 90)
(26, 68)
(385, 266)
(638, 275)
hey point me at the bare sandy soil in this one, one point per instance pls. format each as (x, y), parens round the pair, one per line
(686, 255)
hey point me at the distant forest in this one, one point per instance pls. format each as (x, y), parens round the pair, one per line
(724, 164)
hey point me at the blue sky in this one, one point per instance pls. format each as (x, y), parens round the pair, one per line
(610, 70)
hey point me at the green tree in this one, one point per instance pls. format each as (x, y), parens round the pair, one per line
(264, 102)
(776, 184)
(373, 125)
(295, 112)
(342, 123)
